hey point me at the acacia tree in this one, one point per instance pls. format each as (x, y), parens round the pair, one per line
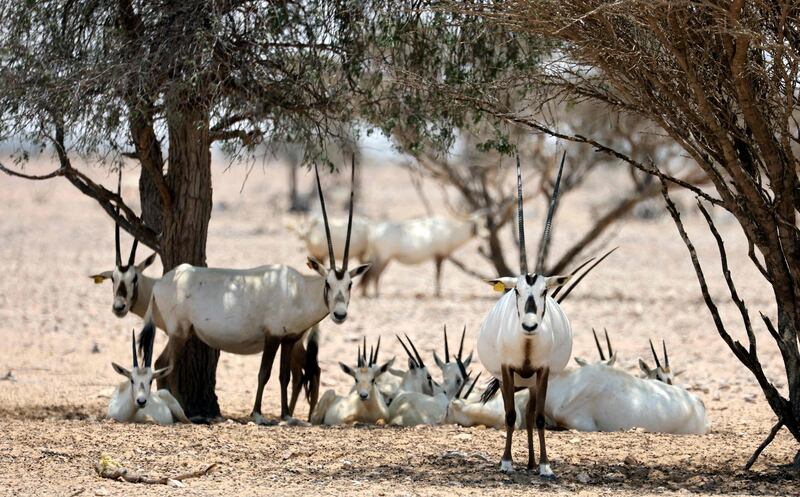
(721, 79)
(160, 83)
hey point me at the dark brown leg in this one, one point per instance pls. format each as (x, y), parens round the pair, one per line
(313, 393)
(439, 261)
(284, 375)
(529, 422)
(298, 360)
(267, 358)
(507, 388)
(541, 395)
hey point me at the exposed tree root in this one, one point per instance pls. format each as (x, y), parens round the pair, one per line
(107, 467)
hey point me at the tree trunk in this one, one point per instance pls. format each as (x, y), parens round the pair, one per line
(183, 240)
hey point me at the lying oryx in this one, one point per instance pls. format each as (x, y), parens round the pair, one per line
(132, 401)
(416, 379)
(255, 310)
(417, 241)
(659, 373)
(525, 337)
(454, 374)
(364, 403)
(313, 235)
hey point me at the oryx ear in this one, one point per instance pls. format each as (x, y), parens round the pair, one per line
(645, 369)
(612, 359)
(437, 360)
(119, 369)
(502, 284)
(386, 366)
(360, 270)
(556, 281)
(146, 263)
(161, 373)
(101, 277)
(317, 266)
(581, 361)
(678, 373)
(347, 369)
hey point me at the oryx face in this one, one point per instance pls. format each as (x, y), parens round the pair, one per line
(365, 377)
(530, 291)
(125, 284)
(418, 379)
(141, 379)
(337, 287)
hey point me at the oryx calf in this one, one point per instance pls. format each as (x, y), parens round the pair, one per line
(364, 403)
(525, 337)
(132, 401)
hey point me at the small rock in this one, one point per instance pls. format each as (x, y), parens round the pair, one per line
(175, 483)
(95, 348)
(631, 461)
(574, 440)
(463, 436)
(615, 477)
(101, 491)
(583, 477)
(288, 454)
(9, 377)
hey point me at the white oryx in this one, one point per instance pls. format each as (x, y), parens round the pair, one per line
(416, 379)
(246, 311)
(132, 401)
(598, 397)
(313, 235)
(364, 403)
(416, 241)
(525, 337)
(454, 374)
(663, 374)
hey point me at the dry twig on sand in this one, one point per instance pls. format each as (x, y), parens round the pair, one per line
(107, 467)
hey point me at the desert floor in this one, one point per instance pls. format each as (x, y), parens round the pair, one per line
(52, 316)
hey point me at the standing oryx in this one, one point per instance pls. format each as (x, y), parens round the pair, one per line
(526, 336)
(132, 289)
(417, 241)
(132, 401)
(255, 310)
(313, 235)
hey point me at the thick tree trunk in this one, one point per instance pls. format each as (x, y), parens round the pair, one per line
(183, 240)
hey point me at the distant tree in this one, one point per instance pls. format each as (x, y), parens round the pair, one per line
(721, 79)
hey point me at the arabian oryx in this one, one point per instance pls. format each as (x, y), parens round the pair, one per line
(132, 401)
(526, 336)
(454, 374)
(313, 235)
(255, 310)
(416, 241)
(598, 397)
(416, 379)
(132, 289)
(364, 403)
(663, 374)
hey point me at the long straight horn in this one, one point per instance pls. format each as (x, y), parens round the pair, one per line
(416, 352)
(608, 342)
(461, 345)
(599, 348)
(350, 215)
(666, 356)
(548, 224)
(374, 359)
(655, 356)
(446, 346)
(474, 382)
(133, 345)
(523, 256)
(364, 352)
(132, 257)
(116, 224)
(325, 220)
(408, 352)
(358, 357)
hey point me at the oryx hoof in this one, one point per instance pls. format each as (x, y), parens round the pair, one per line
(290, 421)
(506, 466)
(262, 421)
(200, 420)
(546, 473)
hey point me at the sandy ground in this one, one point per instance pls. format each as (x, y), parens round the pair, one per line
(52, 316)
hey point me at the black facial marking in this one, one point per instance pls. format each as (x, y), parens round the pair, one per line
(530, 305)
(530, 279)
(122, 291)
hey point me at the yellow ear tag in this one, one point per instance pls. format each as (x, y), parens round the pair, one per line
(499, 286)
(98, 280)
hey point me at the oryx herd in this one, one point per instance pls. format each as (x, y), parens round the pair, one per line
(525, 341)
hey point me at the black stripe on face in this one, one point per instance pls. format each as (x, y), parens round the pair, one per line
(530, 305)
(122, 290)
(531, 278)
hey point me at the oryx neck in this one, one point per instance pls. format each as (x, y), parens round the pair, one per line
(312, 308)
(141, 297)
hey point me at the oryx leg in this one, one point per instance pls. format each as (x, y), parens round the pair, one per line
(285, 373)
(541, 395)
(296, 370)
(267, 358)
(529, 422)
(507, 388)
(439, 260)
(313, 392)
